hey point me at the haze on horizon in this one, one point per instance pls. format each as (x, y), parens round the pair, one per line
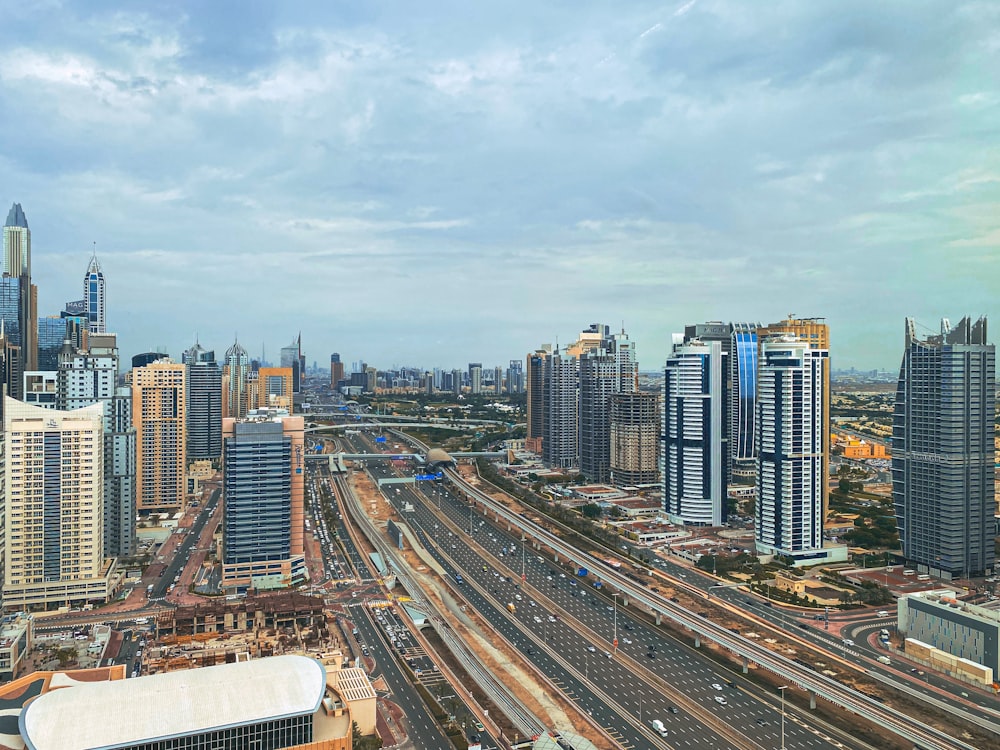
(441, 183)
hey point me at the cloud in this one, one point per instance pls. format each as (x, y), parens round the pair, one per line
(347, 170)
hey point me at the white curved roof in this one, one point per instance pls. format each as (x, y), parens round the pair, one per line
(125, 712)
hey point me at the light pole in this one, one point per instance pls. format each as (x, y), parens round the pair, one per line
(524, 572)
(614, 643)
(782, 690)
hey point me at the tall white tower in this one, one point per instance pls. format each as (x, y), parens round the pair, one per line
(790, 419)
(93, 296)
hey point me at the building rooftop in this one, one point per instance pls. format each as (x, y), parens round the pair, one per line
(16, 218)
(126, 712)
(353, 684)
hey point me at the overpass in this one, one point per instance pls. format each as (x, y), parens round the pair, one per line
(379, 425)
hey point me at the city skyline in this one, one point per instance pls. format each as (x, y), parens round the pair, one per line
(440, 171)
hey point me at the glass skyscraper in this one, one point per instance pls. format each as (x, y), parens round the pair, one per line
(93, 296)
(943, 450)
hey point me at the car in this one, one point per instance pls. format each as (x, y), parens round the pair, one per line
(720, 700)
(650, 654)
(551, 618)
(591, 649)
(716, 686)
(763, 723)
(479, 726)
(627, 640)
(672, 709)
(607, 654)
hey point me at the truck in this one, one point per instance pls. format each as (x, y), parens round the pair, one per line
(581, 572)
(885, 660)
(511, 608)
(658, 726)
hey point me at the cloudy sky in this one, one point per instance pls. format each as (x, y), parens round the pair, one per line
(435, 183)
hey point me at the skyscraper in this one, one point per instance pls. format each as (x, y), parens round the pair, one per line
(93, 296)
(263, 460)
(535, 387)
(791, 413)
(234, 381)
(608, 367)
(560, 404)
(53, 498)
(635, 439)
(743, 400)
(17, 265)
(275, 388)
(89, 376)
(158, 411)
(475, 377)
(336, 370)
(943, 450)
(51, 334)
(515, 377)
(204, 404)
(291, 357)
(816, 333)
(696, 432)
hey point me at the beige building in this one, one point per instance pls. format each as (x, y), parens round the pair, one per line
(158, 408)
(274, 388)
(53, 496)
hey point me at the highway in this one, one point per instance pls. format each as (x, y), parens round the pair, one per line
(560, 649)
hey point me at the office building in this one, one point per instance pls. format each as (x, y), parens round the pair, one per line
(336, 370)
(456, 381)
(234, 381)
(263, 465)
(816, 333)
(158, 410)
(696, 432)
(204, 404)
(93, 297)
(146, 358)
(51, 334)
(54, 507)
(275, 388)
(635, 439)
(560, 404)
(943, 450)
(791, 412)
(292, 358)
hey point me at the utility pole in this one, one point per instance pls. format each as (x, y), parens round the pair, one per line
(782, 690)
(614, 643)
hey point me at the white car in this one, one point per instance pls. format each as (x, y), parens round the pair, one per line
(716, 686)
(720, 700)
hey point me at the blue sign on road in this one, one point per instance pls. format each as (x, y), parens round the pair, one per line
(427, 477)
(380, 439)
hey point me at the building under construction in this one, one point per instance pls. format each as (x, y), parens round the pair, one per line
(286, 609)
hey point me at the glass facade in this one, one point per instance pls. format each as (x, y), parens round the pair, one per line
(743, 381)
(258, 491)
(10, 307)
(266, 735)
(51, 334)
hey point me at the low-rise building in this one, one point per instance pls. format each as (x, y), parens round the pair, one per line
(946, 633)
(17, 632)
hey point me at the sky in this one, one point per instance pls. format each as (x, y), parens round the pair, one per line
(437, 183)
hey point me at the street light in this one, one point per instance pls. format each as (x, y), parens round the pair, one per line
(614, 643)
(782, 689)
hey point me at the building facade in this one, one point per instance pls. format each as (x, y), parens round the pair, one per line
(17, 265)
(943, 450)
(94, 297)
(234, 381)
(560, 404)
(54, 507)
(791, 413)
(535, 387)
(204, 405)
(635, 439)
(336, 370)
(158, 411)
(263, 465)
(275, 388)
(696, 433)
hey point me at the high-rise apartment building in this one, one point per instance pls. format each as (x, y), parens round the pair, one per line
(498, 380)
(90, 376)
(696, 432)
(791, 414)
(515, 377)
(635, 439)
(54, 507)
(158, 411)
(560, 404)
(456, 381)
(204, 404)
(336, 370)
(475, 377)
(94, 296)
(816, 333)
(535, 392)
(263, 464)
(234, 381)
(606, 369)
(943, 450)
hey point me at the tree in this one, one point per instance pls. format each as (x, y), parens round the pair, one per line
(363, 742)
(591, 510)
